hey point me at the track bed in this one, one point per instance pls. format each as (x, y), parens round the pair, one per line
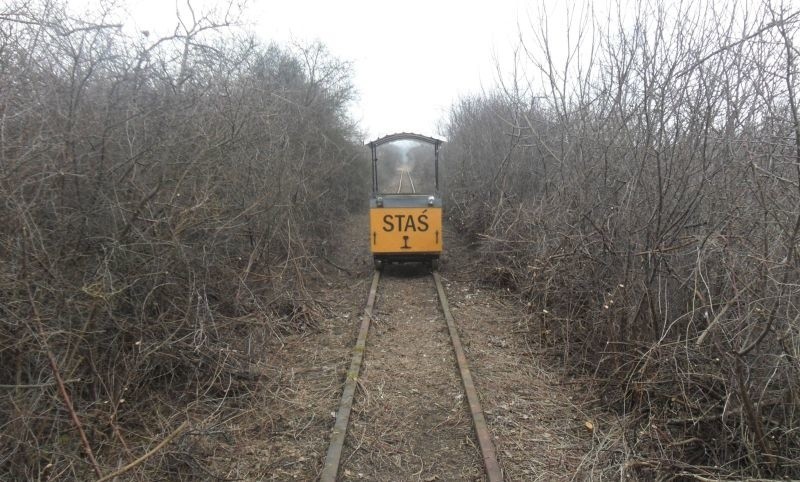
(410, 419)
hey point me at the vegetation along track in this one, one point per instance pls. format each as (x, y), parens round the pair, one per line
(334, 454)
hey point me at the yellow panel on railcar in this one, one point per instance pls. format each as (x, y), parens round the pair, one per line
(405, 205)
(402, 231)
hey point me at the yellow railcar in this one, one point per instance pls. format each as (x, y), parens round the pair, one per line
(405, 204)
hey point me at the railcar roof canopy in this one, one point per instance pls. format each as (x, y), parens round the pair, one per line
(404, 136)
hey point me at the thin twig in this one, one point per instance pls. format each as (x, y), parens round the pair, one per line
(62, 388)
(146, 456)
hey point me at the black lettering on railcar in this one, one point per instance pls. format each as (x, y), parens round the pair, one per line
(405, 222)
(423, 222)
(387, 223)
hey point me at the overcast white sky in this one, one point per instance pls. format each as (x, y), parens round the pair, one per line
(411, 59)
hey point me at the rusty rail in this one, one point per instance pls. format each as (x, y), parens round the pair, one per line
(490, 463)
(334, 455)
(331, 467)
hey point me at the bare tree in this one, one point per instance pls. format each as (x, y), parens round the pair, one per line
(640, 189)
(161, 201)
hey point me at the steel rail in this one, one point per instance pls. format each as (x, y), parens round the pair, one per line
(334, 455)
(488, 452)
(410, 180)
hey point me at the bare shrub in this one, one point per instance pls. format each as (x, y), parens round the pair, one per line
(161, 199)
(642, 195)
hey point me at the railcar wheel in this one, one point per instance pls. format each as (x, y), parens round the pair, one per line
(435, 264)
(378, 264)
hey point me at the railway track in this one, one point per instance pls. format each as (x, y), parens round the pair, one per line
(410, 181)
(334, 454)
